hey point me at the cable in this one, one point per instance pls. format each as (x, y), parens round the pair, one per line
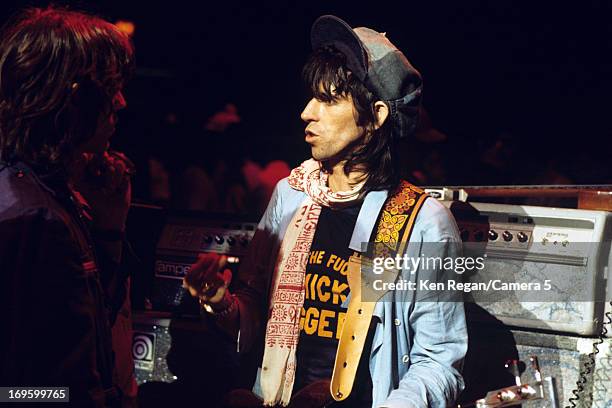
(590, 363)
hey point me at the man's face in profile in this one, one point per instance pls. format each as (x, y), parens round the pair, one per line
(332, 130)
(107, 121)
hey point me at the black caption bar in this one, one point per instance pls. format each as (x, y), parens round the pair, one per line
(34, 394)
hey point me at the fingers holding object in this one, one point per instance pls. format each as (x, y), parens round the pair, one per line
(116, 171)
(227, 277)
(204, 277)
(224, 281)
(199, 270)
(214, 291)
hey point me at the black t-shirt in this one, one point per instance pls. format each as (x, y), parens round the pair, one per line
(322, 315)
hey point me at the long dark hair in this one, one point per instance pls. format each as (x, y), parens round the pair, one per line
(325, 71)
(59, 70)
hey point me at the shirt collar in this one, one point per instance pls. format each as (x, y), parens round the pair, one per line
(366, 219)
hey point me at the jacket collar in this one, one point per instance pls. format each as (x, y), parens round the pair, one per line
(55, 181)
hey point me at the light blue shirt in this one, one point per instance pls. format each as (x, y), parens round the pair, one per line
(418, 348)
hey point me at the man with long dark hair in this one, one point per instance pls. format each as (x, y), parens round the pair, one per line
(306, 280)
(63, 203)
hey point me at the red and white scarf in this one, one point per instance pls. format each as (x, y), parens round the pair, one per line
(283, 329)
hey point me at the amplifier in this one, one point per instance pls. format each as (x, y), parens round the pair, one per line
(564, 251)
(565, 358)
(181, 356)
(166, 243)
(183, 238)
(180, 360)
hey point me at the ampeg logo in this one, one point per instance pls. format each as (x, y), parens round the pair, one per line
(172, 269)
(143, 350)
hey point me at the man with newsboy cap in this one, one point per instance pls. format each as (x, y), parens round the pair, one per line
(305, 288)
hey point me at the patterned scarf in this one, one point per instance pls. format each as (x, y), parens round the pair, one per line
(282, 331)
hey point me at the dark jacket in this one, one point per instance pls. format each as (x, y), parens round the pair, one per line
(57, 295)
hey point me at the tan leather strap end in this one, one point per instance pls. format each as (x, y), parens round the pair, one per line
(395, 223)
(352, 339)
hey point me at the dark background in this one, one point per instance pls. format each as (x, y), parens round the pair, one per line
(536, 76)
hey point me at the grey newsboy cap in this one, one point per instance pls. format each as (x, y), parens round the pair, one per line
(383, 69)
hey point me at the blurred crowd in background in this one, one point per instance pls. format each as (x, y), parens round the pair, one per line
(220, 165)
(515, 93)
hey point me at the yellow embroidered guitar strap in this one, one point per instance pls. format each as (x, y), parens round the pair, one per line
(394, 226)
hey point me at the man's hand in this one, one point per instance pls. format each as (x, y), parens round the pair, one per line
(105, 183)
(208, 278)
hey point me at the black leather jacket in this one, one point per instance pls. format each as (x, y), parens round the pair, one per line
(57, 290)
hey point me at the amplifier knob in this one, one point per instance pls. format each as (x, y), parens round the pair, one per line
(219, 239)
(507, 236)
(465, 234)
(493, 235)
(208, 239)
(522, 237)
(231, 240)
